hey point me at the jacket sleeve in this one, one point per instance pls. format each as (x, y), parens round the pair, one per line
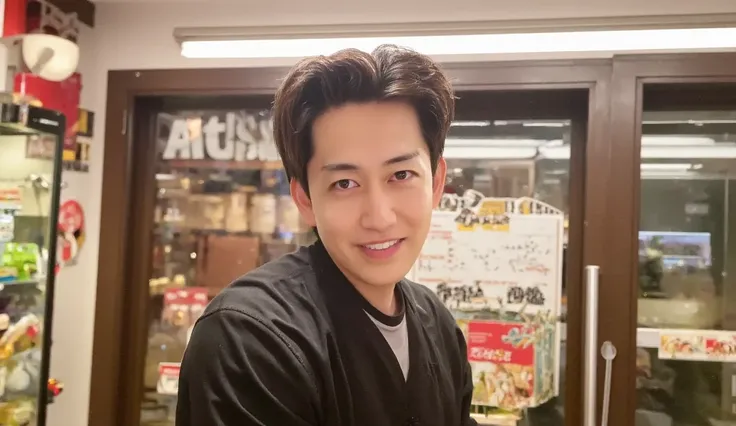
(467, 385)
(240, 371)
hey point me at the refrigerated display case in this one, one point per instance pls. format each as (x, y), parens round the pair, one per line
(30, 184)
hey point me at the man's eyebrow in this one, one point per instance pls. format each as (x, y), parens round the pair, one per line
(335, 167)
(401, 158)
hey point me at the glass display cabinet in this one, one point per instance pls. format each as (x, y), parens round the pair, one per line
(30, 171)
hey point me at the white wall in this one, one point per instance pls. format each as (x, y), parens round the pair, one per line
(139, 36)
(76, 286)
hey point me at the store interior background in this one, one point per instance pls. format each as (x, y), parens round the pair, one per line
(137, 35)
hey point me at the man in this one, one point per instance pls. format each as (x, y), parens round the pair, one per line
(332, 334)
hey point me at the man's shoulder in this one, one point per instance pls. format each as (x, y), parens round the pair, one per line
(270, 292)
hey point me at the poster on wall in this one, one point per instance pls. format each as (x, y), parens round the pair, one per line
(228, 138)
(497, 264)
(71, 233)
(61, 96)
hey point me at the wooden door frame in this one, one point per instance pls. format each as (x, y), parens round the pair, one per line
(119, 306)
(630, 74)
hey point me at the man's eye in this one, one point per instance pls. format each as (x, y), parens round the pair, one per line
(344, 184)
(402, 175)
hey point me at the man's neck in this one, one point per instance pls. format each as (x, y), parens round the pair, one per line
(382, 298)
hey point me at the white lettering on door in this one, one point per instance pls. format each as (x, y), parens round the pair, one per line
(241, 136)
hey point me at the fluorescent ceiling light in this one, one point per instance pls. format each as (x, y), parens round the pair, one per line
(692, 122)
(470, 123)
(502, 143)
(489, 153)
(660, 152)
(544, 124)
(550, 42)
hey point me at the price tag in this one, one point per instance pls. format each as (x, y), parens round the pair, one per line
(7, 228)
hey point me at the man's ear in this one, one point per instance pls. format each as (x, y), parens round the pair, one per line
(438, 182)
(302, 201)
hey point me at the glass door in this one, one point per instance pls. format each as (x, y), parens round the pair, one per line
(681, 370)
(527, 144)
(216, 213)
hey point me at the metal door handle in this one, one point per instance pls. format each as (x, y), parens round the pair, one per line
(590, 373)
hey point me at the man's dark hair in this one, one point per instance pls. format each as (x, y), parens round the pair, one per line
(390, 73)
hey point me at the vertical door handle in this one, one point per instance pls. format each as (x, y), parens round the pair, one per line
(590, 357)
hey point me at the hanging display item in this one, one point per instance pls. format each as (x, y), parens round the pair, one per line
(497, 264)
(698, 345)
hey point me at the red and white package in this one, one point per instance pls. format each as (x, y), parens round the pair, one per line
(183, 306)
(168, 378)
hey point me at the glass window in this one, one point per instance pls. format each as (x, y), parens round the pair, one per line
(222, 208)
(686, 244)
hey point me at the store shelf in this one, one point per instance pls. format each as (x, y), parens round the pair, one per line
(495, 420)
(19, 283)
(645, 337)
(9, 206)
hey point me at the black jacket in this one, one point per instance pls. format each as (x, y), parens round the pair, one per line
(288, 344)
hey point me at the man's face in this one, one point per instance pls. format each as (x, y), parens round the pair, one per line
(371, 190)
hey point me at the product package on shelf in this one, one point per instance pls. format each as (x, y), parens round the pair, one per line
(168, 378)
(236, 219)
(9, 206)
(206, 211)
(223, 258)
(182, 308)
(289, 220)
(20, 362)
(497, 264)
(513, 362)
(263, 214)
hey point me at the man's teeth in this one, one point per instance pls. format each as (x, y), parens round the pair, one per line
(381, 246)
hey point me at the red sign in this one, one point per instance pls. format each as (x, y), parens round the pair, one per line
(500, 343)
(61, 96)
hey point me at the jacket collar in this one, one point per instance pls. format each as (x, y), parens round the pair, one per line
(333, 280)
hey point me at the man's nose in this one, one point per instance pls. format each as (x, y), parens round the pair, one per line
(378, 210)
